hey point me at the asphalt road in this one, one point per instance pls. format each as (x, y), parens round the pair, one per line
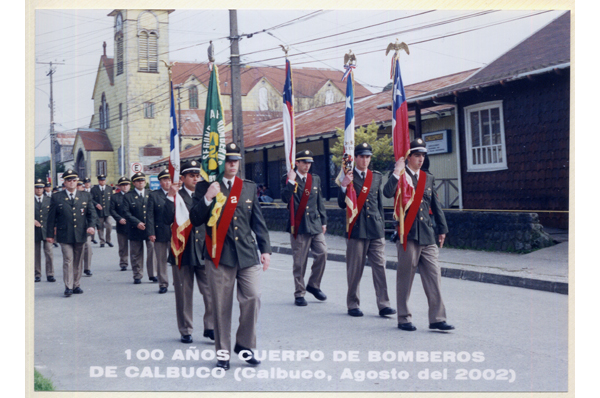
(118, 336)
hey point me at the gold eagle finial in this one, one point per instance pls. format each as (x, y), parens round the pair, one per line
(397, 47)
(349, 59)
(285, 49)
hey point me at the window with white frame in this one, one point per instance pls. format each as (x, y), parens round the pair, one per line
(486, 146)
(101, 167)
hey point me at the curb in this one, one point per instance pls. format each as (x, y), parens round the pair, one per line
(473, 276)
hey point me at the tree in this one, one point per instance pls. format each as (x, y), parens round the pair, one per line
(42, 170)
(383, 150)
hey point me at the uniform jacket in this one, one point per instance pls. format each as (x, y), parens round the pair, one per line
(240, 247)
(71, 218)
(193, 254)
(156, 221)
(422, 229)
(117, 211)
(102, 198)
(41, 215)
(314, 215)
(370, 222)
(135, 209)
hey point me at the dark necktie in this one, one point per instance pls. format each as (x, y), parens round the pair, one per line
(304, 179)
(229, 185)
(362, 175)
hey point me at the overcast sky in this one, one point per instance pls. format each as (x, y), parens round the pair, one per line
(440, 42)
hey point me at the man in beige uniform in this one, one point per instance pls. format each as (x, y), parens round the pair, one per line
(421, 243)
(367, 235)
(309, 234)
(42, 207)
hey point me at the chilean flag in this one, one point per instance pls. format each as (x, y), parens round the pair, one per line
(401, 139)
(181, 226)
(289, 133)
(351, 198)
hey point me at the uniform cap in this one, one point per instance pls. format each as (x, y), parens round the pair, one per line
(363, 149)
(70, 174)
(123, 180)
(306, 156)
(418, 145)
(138, 176)
(39, 183)
(233, 152)
(190, 166)
(164, 174)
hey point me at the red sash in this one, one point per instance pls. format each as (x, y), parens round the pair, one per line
(225, 220)
(414, 207)
(302, 205)
(362, 197)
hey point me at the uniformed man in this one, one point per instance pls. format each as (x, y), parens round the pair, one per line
(192, 262)
(310, 225)
(135, 207)
(366, 232)
(73, 215)
(86, 257)
(159, 233)
(87, 184)
(117, 211)
(101, 195)
(48, 189)
(42, 207)
(231, 255)
(421, 250)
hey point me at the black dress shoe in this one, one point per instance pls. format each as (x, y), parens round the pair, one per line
(68, 292)
(300, 302)
(162, 290)
(123, 268)
(77, 290)
(153, 279)
(137, 281)
(50, 279)
(187, 339)
(409, 327)
(88, 272)
(94, 242)
(209, 333)
(110, 244)
(355, 312)
(318, 293)
(248, 355)
(223, 365)
(38, 279)
(387, 311)
(441, 326)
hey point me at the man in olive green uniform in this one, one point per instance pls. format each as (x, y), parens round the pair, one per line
(73, 215)
(101, 195)
(86, 256)
(159, 233)
(117, 211)
(135, 207)
(309, 234)
(48, 189)
(42, 207)
(240, 216)
(421, 250)
(191, 262)
(367, 232)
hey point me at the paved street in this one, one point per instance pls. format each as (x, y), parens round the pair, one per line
(506, 338)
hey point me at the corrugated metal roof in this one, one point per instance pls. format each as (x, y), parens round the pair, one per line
(66, 138)
(306, 81)
(94, 140)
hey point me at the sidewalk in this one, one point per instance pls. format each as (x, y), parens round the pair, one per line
(546, 269)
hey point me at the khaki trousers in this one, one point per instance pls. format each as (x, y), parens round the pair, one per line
(183, 281)
(123, 249)
(49, 257)
(136, 254)
(104, 226)
(221, 281)
(300, 247)
(426, 259)
(72, 264)
(86, 257)
(161, 250)
(357, 251)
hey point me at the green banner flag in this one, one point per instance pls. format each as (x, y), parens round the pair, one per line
(213, 138)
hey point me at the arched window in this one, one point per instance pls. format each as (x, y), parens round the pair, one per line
(119, 42)
(147, 42)
(263, 99)
(104, 123)
(193, 92)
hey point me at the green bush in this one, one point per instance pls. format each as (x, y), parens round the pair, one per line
(40, 383)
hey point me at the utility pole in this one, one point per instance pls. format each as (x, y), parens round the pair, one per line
(52, 133)
(236, 91)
